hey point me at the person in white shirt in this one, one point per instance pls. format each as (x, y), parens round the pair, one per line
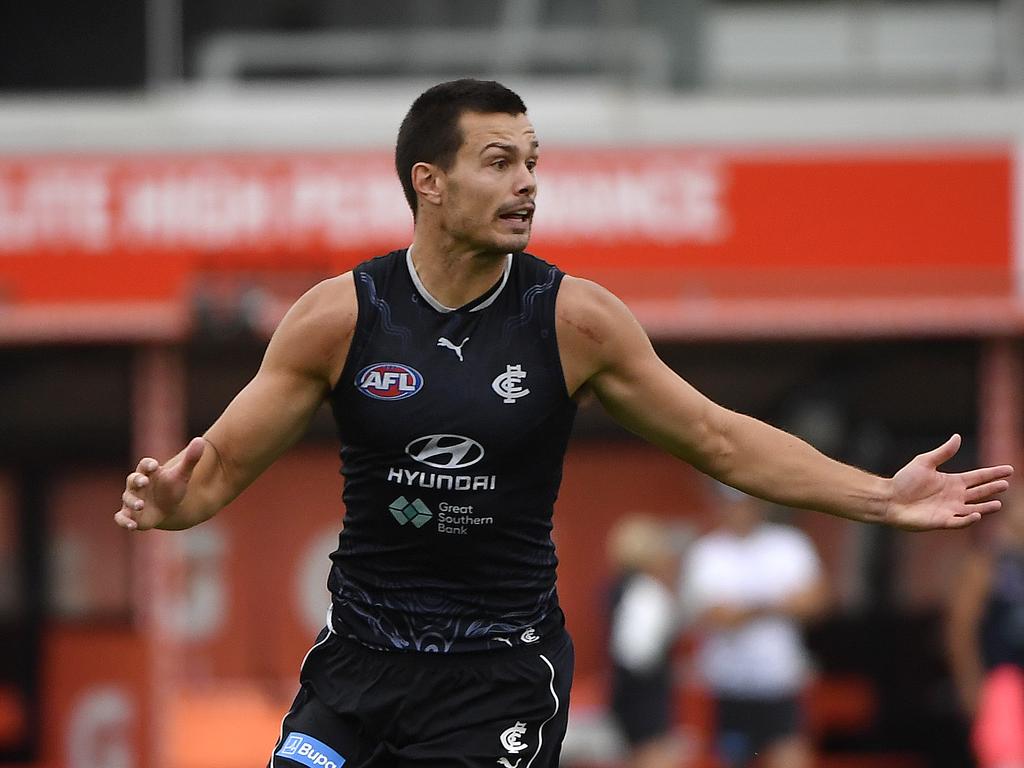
(749, 584)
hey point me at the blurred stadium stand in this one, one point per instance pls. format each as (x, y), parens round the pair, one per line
(815, 208)
(646, 44)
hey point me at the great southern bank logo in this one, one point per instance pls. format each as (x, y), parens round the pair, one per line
(405, 511)
(445, 451)
(389, 381)
(310, 752)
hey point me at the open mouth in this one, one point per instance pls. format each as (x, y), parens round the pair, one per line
(521, 215)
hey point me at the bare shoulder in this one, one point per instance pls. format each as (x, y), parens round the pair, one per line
(315, 333)
(595, 329)
(579, 295)
(329, 301)
(326, 311)
(590, 312)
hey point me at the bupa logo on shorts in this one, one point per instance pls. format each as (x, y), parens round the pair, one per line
(310, 752)
(389, 381)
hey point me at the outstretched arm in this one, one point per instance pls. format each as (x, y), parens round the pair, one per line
(269, 415)
(605, 350)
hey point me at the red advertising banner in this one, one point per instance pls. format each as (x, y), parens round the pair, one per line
(655, 221)
(94, 699)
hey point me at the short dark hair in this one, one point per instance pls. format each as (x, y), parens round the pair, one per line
(430, 131)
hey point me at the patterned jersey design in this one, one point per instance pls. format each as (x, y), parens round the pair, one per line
(452, 462)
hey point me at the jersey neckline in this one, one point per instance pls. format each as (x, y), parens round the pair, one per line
(480, 302)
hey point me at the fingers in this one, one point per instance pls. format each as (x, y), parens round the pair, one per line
(977, 511)
(130, 500)
(985, 474)
(137, 481)
(148, 466)
(943, 453)
(123, 518)
(138, 484)
(131, 503)
(964, 521)
(984, 491)
(985, 507)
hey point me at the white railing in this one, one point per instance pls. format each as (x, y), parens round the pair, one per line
(782, 46)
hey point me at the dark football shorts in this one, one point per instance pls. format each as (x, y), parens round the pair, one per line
(362, 708)
(641, 704)
(747, 726)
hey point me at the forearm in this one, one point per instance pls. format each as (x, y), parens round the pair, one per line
(726, 616)
(265, 419)
(738, 450)
(771, 464)
(605, 349)
(800, 607)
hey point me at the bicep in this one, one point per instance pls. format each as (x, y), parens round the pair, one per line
(651, 400)
(605, 351)
(645, 396)
(274, 409)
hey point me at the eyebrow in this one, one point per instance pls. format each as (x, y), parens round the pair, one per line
(511, 148)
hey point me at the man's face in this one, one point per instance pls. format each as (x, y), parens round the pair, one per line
(489, 191)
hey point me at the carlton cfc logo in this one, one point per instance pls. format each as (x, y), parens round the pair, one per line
(389, 381)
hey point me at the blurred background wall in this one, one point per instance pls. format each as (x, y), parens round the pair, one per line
(813, 207)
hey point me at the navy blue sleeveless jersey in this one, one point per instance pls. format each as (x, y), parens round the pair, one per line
(453, 426)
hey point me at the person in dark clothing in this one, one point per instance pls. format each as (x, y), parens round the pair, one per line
(454, 367)
(643, 626)
(985, 641)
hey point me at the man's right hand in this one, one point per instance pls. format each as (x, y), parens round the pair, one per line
(154, 491)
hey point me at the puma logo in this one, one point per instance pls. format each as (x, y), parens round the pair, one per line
(443, 342)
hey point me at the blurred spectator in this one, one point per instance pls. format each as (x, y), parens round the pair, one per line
(985, 639)
(644, 619)
(748, 585)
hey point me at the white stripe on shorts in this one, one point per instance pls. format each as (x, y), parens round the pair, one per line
(540, 731)
(330, 631)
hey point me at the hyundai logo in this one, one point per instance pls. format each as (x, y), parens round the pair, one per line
(445, 451)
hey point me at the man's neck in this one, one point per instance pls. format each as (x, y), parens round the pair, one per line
(454, 276)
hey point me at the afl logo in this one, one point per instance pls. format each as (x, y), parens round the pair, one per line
(445, 451)
(389, 381)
